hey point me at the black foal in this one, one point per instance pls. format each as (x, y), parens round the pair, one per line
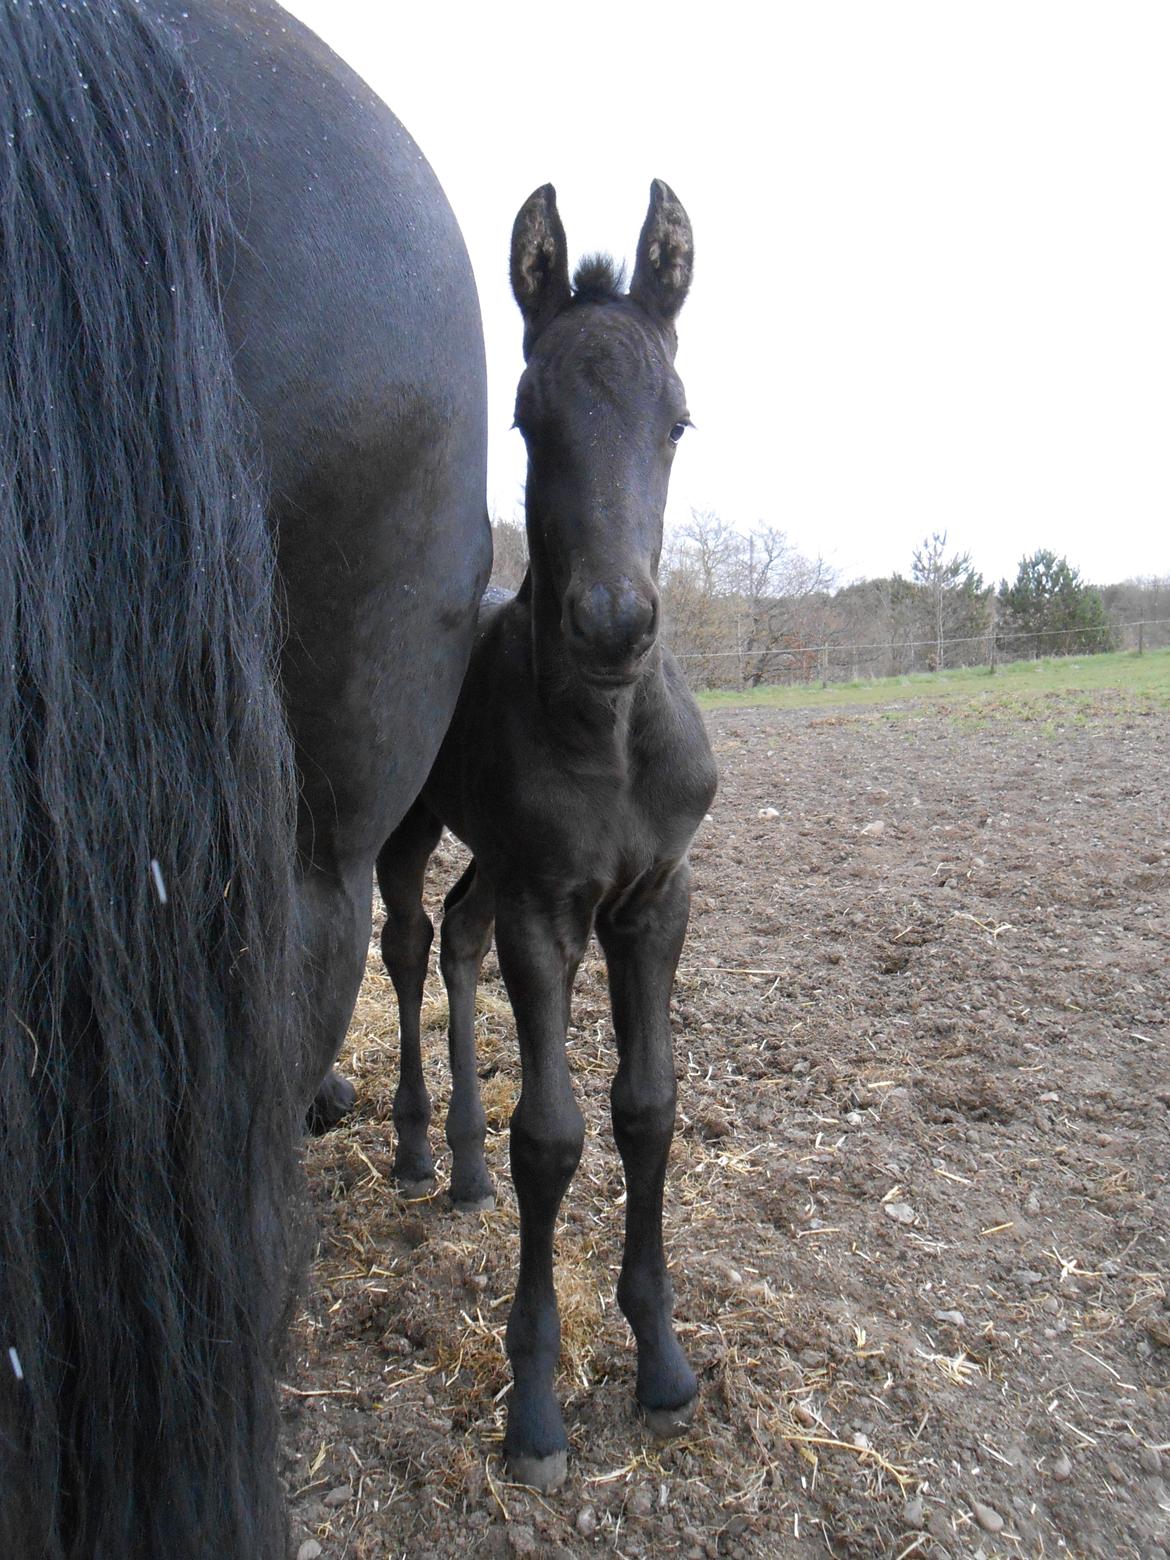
(576, 769)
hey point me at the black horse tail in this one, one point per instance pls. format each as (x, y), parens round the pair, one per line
(147, 1130)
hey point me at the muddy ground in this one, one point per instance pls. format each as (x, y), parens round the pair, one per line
(918, 1209)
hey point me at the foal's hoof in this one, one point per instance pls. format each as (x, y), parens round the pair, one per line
(473, 1204)
(666, 1423)
(541, 1473)
(414, 1190)
(333, 1102)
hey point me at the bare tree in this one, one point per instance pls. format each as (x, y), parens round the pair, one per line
(510, 552)
(740, 605)
(952, 593)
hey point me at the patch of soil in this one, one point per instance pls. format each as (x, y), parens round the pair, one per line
(918, 1209)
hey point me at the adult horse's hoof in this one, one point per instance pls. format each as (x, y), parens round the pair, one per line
(333, 1102)
(666, 1423)
(540, 1473)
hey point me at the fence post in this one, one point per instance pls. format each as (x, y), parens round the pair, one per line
(1141, 638)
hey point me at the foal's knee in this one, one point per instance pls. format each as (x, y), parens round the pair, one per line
(643, 1118)
(545, 1147)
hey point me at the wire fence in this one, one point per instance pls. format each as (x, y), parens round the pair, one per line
(748, 666)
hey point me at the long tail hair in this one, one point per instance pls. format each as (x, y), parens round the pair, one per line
(147, 1130)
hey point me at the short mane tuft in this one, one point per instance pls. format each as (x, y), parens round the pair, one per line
(599, 278)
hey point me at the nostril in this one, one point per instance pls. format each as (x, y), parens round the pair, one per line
(575, 626)
(613, 623)
(650, 633)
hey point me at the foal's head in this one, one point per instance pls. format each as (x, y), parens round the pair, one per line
(601, 410)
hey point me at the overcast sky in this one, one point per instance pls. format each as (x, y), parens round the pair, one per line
(932, 282)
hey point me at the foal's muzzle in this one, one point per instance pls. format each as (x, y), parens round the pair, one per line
(609, 627)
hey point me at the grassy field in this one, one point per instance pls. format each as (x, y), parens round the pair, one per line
(1024, 688)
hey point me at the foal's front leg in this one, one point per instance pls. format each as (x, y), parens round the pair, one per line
(642, 935)
(539, 947)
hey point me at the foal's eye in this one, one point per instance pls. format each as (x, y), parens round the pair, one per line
(677, 432)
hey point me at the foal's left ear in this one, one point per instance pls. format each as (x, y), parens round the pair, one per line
(666, 255)
(540, 262)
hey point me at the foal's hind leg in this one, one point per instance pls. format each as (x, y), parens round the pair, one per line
(465, 939)
(642, 937)
(406, 944)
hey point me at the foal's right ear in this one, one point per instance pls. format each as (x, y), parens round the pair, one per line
(540, 262)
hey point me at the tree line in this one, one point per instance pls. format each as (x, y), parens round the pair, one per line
(746, 608)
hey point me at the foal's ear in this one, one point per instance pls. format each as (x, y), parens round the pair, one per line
(540, 262)
(666, 255)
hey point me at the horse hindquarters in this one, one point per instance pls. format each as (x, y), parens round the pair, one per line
(147, 1150)
(353, 314)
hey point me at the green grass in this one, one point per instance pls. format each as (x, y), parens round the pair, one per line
(1027, 689)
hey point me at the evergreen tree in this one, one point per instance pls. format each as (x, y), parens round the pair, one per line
(1051, 611)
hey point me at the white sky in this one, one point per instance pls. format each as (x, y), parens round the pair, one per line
(933, 247)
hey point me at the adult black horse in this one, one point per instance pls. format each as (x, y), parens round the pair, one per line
(242, 441)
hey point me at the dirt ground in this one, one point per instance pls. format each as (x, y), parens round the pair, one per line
(918, 1209)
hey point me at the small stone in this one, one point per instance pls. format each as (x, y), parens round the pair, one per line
(913, 1513)
(875, 828)
(1027, 1277)
(951, 1318)
(713, 1125)
(1150, 1460)
(1032, 1204)
(309, 1550)
(1050, 1304)
(521, 1539)
(990, 1521)
(901, 1213)
(812, 1359)
(769, 812)
(641, 1501)
(1061, 1468)
(854, 1119)
(860, 1440)
(586, 1522)
(338, 1496)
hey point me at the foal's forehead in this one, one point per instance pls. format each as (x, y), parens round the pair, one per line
(607, 350)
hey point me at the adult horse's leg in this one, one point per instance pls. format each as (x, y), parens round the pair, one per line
(334, 918)
(465, 940)
(406, 946)
(539, 949)
(642, 934)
